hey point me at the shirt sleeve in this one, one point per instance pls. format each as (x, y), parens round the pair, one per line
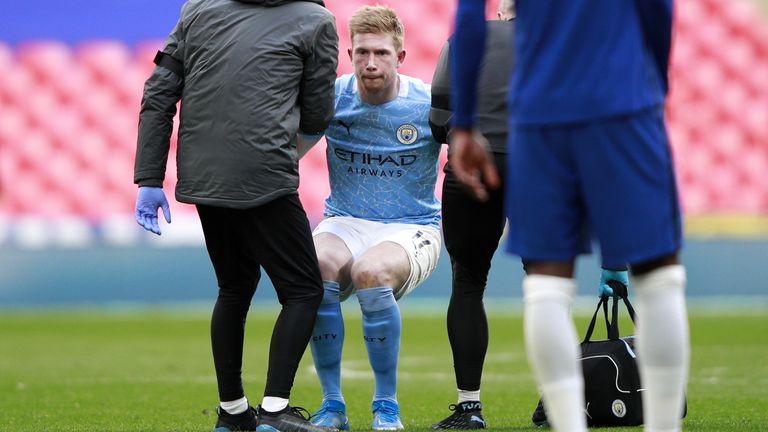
(162, 91)
(466, 56)
(440, 110)
(317, 84)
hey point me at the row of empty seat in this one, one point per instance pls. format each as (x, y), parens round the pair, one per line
(68, 115)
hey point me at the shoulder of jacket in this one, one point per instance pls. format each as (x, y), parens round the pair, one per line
(191, 5)
(315, 10)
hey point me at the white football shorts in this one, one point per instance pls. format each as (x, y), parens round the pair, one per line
(422, 243)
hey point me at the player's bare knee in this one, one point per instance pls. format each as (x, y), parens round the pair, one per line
(370, 274)
(331, 263)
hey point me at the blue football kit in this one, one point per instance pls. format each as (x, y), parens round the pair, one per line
(588, 150)
(382, 159)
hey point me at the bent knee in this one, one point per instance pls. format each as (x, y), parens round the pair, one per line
(370, 274)
(332, 264)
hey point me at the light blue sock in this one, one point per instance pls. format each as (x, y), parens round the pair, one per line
(327, 342)
(381, 331)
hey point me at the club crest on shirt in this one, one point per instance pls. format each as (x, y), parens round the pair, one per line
(407, 134)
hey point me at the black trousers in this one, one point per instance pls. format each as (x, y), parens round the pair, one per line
(277, 237)
(471, 230)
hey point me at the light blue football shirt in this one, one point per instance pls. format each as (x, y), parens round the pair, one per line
(382, 159)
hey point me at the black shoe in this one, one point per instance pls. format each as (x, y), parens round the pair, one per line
(466, 415)
(290, 419)
(539, 417)
(245, 421)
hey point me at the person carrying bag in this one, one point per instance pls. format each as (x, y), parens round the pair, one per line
(612, 387)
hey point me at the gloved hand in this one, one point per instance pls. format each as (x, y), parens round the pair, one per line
(147, 203)
(606, 275)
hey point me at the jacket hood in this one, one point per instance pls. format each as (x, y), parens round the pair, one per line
(273, 3)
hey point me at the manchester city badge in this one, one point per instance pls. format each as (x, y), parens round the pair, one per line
(407, 134)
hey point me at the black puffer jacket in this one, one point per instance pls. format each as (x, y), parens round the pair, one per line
(255, 72)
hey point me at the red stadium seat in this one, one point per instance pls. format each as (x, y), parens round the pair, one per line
(72, 85)
(754, 121)
(40, 107)
(34, 149)
(696, 200)
(91, 148)
(129, 88)
(106, 60)
(13, 125)
(144, 54)
(16, 84)
(46, 59)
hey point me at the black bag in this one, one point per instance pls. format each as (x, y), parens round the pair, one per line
(611, 379)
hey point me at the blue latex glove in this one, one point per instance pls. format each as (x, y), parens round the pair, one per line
(147, 203)
(606, 275)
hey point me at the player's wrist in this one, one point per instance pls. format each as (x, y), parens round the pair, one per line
(462, 129)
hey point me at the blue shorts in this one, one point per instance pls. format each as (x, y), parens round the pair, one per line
(610, 180)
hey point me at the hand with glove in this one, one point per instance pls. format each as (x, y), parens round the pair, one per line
(606, 275)
(147, 203)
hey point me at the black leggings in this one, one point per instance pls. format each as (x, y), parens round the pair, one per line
(471, 230)
(277, 237)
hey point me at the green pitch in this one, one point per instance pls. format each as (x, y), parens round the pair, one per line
(152, 371)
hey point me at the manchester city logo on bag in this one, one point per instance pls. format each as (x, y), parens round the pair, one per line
(407, 134)
(619, 408)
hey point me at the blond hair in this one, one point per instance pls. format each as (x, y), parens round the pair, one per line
(378, 20)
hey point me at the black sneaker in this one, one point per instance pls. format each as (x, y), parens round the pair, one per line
(539, 417)
(245, 421)
(290, 419)
(466, 415)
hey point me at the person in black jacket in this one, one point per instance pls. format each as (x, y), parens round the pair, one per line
(471, 228)
(254, 77)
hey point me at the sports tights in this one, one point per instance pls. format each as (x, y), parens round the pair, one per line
(277, 237)
(472, 230)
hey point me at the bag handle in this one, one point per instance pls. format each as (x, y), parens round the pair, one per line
(612, 325)
(604, 303)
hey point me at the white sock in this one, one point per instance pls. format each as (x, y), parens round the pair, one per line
(469, 396)
(273, 404)
(663, 346)
(236, 406)
(553, 349)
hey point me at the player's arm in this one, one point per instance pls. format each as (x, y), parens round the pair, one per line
(656, 23)
(470, 156)
(162, 91)
(317, 83)
(465, 58)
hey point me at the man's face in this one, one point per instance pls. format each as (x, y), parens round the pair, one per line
(376, 60)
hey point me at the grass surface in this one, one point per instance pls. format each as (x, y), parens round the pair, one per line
(152, 371)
